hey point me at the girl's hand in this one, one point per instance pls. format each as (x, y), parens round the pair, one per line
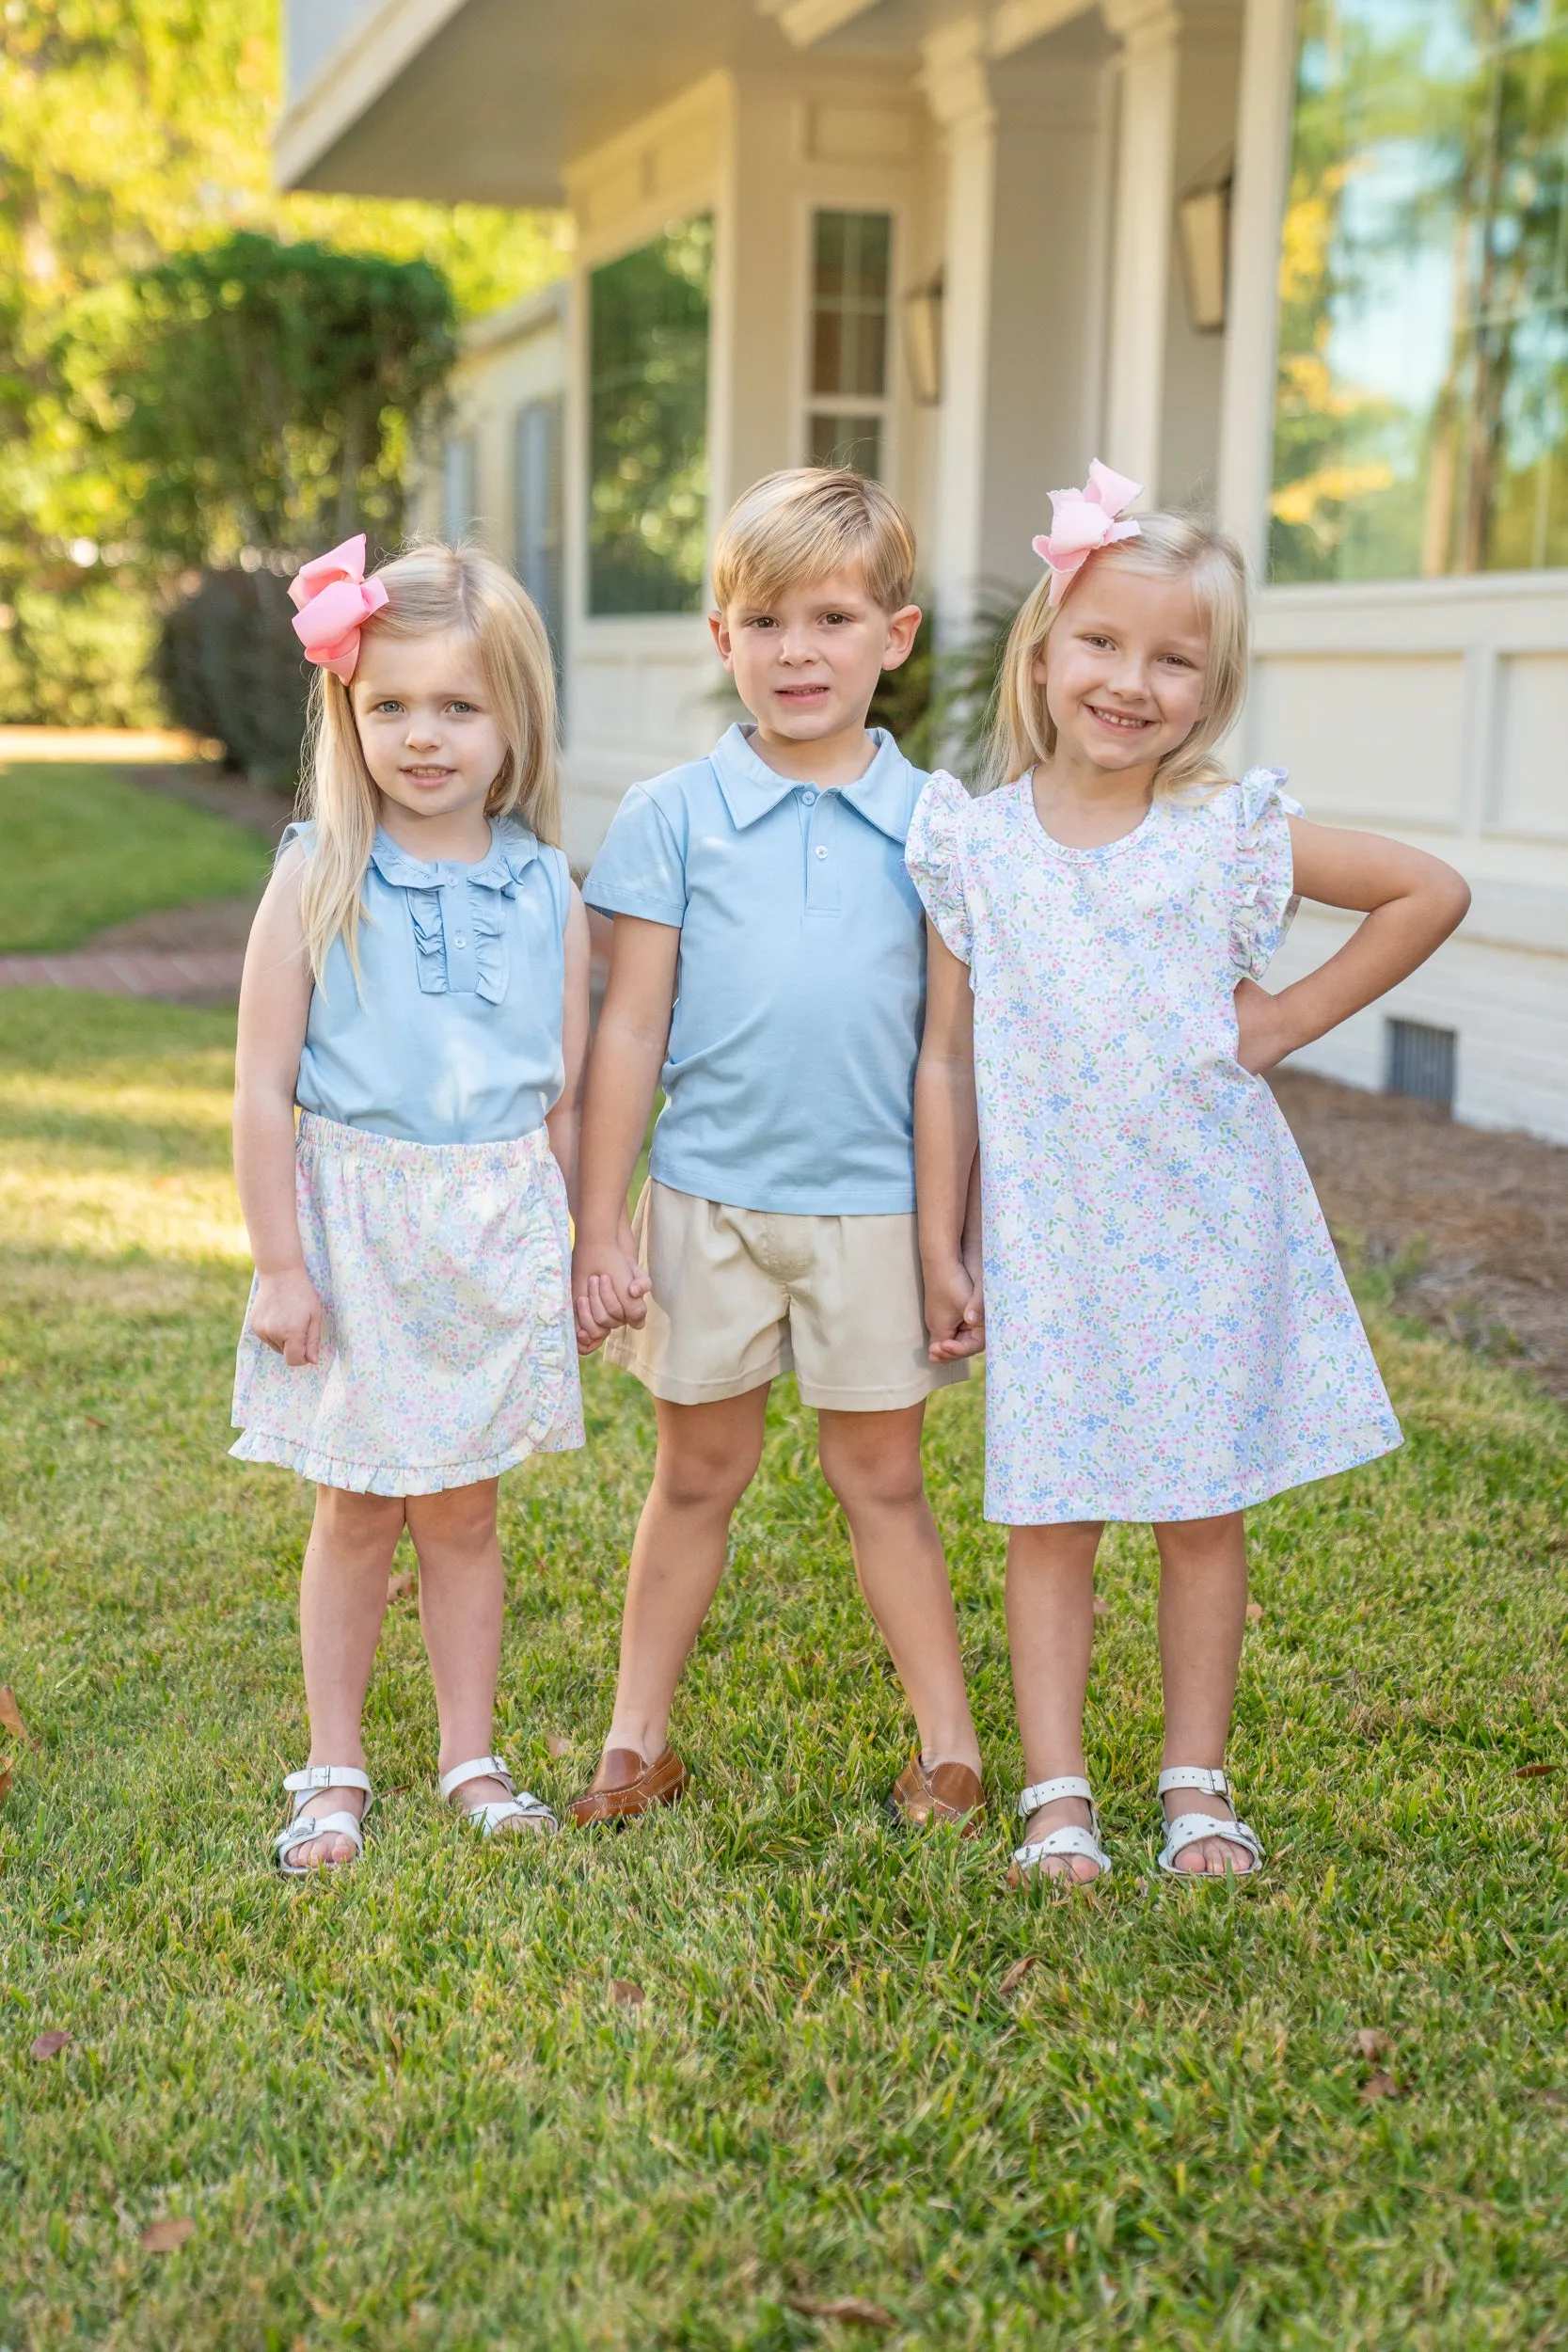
(955, 1313)
(288, 1315)
(1264, 1034)
(609, 1288)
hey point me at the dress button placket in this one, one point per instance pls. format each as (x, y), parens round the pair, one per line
(457, 920)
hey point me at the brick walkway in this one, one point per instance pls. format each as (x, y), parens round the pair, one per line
(130, 971)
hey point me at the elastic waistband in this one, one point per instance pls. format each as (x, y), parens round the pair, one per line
(330, 1139)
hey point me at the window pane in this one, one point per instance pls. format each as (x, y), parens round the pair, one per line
(1422, 423)
(538, 515)
(849, 303)
(852, 441)
(647, 424)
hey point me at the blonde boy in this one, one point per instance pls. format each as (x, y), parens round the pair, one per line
(769, 969)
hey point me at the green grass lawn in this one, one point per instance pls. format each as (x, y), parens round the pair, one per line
(80, 850)
(401, 2107)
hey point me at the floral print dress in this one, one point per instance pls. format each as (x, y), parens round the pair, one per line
(1169, 1332)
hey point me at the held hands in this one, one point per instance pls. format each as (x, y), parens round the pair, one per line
(1263, 1031)
(287, 1315)
(609, 1287)
(955, 1310)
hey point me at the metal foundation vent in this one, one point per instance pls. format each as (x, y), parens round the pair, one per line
(1421, 1061)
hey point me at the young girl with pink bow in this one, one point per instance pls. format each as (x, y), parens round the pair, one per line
(1170, 1335)
(416, 986)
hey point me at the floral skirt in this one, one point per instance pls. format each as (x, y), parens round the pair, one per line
(446, 1351)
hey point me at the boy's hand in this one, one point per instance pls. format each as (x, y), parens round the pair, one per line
(1263, 1035)
(954, 1311)
(288, 1315)
(609, 1288)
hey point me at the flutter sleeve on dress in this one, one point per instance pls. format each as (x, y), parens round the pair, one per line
(1265, 903)
(933, 854)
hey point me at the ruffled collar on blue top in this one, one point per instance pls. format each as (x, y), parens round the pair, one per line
(513, 849)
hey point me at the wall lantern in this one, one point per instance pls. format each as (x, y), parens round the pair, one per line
(923, 340)
(1204, 215)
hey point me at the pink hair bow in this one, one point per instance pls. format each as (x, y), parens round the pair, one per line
(335, 602)
(1083, 521)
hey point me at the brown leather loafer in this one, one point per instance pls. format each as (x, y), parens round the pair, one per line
(624, 1785)
(951, 1792)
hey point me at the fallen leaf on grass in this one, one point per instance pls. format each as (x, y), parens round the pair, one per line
(1012, 1978)
(11, 1714)
(5, 1776)
(556, 1743)
(624, 1993)
(93, 1422)
(1101, 1608)
(162, 2237)
(1548, 2098)
(1380, 2086)
(1255, 1612)
(399, 1585)
(1373, 2042)
(1533, 1771)
(50, 2044)
(853, 2309)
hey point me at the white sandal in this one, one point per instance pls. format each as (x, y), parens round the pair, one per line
(1071, 1838)
(495, 1816)
(302, 1786)
(1191, 1829)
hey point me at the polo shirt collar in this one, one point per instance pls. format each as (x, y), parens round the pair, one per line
(512, 848)
(752, 789)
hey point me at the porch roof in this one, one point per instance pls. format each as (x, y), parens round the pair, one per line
(488, 100)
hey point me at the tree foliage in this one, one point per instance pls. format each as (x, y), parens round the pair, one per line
(268, 393)
(131, 132)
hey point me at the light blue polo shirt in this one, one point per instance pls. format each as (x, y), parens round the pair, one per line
(801, 982)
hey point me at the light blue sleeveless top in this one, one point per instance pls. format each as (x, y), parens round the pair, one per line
(454, 1035)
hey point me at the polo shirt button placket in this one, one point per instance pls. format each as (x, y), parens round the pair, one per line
(821, 878)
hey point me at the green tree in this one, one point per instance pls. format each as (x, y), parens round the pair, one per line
(131, 131)
(269, 394)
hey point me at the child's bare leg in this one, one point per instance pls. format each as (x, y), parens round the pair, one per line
(1202, 1619)
(462, 1600)
(1050, 1633)
(343, 1599)
(707, 1457)
(872, 1463)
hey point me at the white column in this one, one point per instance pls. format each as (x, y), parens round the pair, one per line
(1149, 31)
(958, 90)
(1256, 219)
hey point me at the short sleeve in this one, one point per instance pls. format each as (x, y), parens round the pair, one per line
(1264, 905)
(640, 869)
(933, 855)
(303, 831)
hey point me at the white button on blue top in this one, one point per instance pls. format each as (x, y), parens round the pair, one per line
(808, 798)
(821, 848)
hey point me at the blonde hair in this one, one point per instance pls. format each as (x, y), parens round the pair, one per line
(432, 590)
(1169, 547)
(800, 525)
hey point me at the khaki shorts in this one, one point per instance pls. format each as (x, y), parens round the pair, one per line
(740, 1296)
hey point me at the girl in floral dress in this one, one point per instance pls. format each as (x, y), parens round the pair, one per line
(417, 985)
(1169, 1336)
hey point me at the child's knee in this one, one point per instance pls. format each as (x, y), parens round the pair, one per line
(694, 1476)
(872, 1472)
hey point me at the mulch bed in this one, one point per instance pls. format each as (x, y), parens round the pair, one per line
(1471, 1223)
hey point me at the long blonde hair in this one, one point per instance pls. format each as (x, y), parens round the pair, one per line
(432, 591)
(1168, 546)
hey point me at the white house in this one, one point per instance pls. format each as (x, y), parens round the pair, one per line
(1302, 262)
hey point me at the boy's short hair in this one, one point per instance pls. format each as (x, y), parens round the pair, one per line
(805, 522)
